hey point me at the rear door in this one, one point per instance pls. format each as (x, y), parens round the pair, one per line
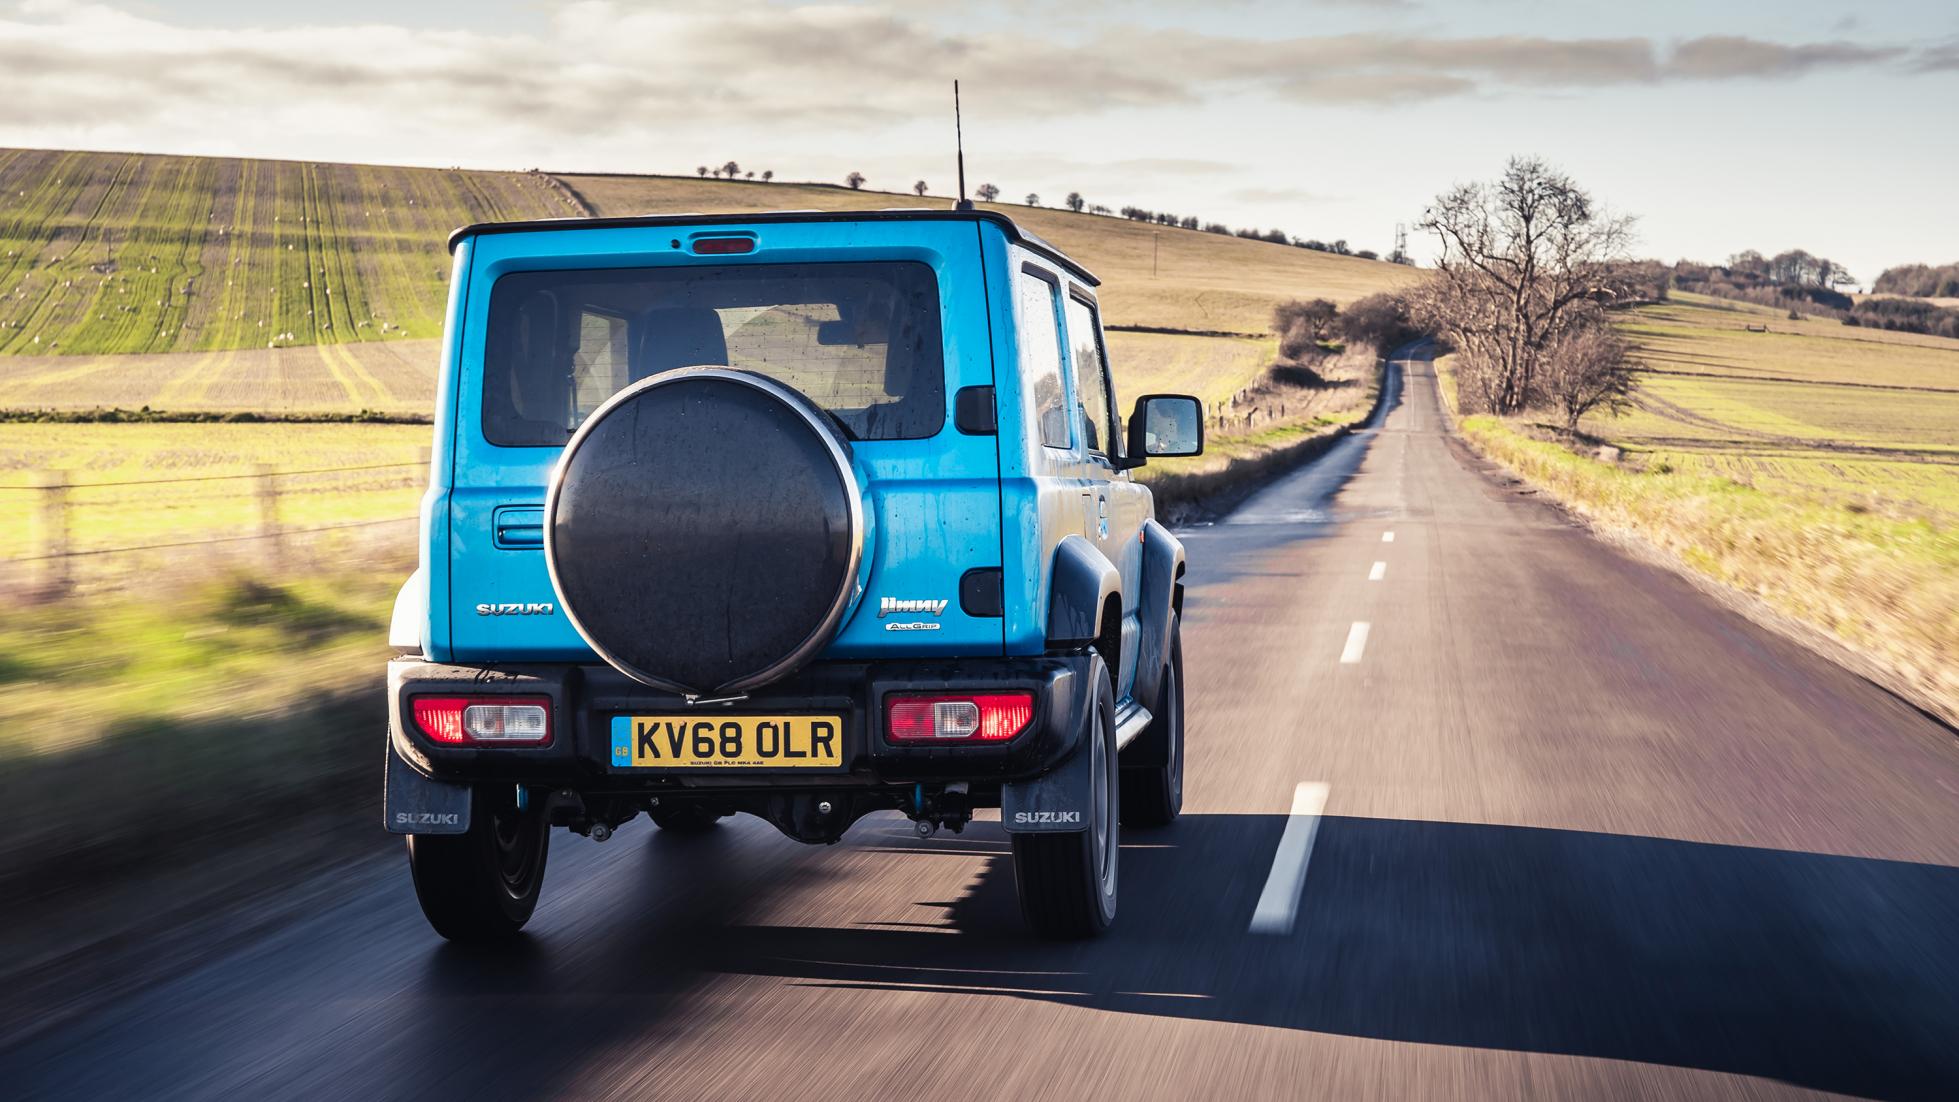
(881, 323)
(1117, 505)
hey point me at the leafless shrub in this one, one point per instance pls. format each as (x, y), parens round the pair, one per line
(1588, 366)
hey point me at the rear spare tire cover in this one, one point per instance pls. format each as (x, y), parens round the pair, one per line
(704, 530)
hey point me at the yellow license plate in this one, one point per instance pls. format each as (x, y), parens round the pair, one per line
(727, 742)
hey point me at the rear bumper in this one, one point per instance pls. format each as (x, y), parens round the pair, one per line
(584, 698)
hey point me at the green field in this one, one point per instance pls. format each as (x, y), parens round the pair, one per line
(109, 253)
(1812, 409)
(137, 485)
(213, 284)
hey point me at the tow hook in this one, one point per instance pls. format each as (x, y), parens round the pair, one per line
(925, 827)
(599, 832)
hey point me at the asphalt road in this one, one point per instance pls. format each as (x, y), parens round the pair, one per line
(1583, 832)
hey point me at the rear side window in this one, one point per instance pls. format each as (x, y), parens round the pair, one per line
(1039, 329)
(1091, 377)
(862, 340)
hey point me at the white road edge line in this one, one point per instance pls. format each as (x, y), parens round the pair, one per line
(1356, 643)
(1380, 571)
(1387, 537)
(1279, 902)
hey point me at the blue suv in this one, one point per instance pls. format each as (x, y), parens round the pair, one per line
(802, 515)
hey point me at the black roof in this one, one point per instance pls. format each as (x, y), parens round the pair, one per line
(1012, 229)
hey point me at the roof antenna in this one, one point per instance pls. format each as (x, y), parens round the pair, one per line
(959, 141)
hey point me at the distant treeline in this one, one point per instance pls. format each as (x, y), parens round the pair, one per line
(1275, 236)
(1806, 284)
(1919, 281)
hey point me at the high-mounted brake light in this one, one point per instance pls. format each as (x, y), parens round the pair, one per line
(961, 717)
(485, 720)
(719, 246)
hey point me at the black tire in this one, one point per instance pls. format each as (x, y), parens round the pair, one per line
(1067, 882)
(1153, 795)
(482, 885)
(685, 818)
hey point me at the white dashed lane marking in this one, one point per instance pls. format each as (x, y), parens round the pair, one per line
(1380, 571)
(1387, 537)
(1279, 902)
(1356, 643)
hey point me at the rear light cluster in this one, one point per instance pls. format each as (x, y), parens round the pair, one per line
(960, 717)
(485, 720)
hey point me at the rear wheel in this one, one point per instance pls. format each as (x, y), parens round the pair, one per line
(1067, 882)
(1153, 795)
(482, 885)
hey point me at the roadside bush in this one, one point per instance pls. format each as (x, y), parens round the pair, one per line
(1302, 325)
(1381, 320)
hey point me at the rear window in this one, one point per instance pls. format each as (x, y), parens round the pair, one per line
(861, 340)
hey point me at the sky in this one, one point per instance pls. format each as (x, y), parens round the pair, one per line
(1766, 124)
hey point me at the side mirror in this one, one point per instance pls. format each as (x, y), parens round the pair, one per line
(1165, 426)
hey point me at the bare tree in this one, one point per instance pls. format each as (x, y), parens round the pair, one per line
(702, 170)
(1033, 200)
(1589, 366)
(750, 174)
(919, 187)
(1075, 201)
(855, 180)
(1519, 258)
(768, 174)
(731, 169)
(986, 193)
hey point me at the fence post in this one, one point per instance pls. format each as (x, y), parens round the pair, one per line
(268, 514)
(51, 533)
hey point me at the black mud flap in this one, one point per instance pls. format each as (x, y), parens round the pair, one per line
(1056, 802)
(418, 805)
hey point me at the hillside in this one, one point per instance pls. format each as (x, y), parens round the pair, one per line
(191, 283)
(1813, 409)
(131, 253)
(1202, 281)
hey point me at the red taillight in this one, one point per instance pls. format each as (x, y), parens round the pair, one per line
(485, 720)
(721, 246)
(958, 717)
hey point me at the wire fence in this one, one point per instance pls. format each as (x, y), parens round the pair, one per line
(75, 527)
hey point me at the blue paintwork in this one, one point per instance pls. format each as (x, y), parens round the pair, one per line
(938, 507)
(934, 503)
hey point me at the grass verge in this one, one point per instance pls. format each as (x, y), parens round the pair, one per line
(1236, 464)
(145, 727)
